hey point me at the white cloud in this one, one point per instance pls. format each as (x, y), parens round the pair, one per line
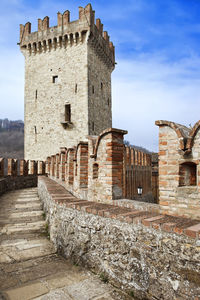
(12, 85)
(150, 89)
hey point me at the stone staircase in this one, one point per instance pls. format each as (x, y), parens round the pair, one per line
(29, 265)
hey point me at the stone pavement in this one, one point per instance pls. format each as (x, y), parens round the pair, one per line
(29, 265)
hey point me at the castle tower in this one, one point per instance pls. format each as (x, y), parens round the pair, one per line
(67, 82)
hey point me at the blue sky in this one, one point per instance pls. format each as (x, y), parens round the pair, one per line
(157, 75)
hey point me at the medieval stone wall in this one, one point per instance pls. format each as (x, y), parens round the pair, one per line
(99, 96)
(67, 82)
(44, 133)
(139, 252)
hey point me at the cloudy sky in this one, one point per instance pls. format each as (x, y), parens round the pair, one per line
(157, 75)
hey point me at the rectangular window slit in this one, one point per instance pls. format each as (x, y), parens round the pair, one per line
(55, 79)
(67, 113)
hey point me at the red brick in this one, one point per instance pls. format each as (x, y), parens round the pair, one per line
(193, 231)
(149, 221)
(168, 226)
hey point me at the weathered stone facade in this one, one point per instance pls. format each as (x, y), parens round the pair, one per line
(67, 82)
(140, 252)
(179, 169)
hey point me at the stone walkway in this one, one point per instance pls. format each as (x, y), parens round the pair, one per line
(29, 265)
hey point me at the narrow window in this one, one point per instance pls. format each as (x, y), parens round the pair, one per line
(95, 171)
(35, 130)
(76, 87)
(108, 101)
(55, 79)
(93, 89)
(102, 86)
(93, 126)
(36, 94)
(67, 113)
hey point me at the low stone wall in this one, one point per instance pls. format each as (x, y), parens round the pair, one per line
(137, 252)
(10, 183)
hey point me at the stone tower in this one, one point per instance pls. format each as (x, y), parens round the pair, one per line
(67, 82)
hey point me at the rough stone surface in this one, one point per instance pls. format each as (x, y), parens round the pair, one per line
(148, 262)
(29, 266)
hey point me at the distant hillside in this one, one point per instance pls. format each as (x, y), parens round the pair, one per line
(140, 148)
(6, 125)
(11, 139)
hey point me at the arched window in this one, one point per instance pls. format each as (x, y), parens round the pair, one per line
(187, 174)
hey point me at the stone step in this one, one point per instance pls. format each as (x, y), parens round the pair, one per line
(18, 220)
(63, 285)
(19, 205)
(26, 214)
(23, 227)
(9, 210)
(23, 249)
(25, 235)
(28, 199)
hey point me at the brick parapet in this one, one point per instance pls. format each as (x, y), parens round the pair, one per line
(10, 167)
(94, 169)
(137, 246)
(179, 180)
(70, 167)
(132, 215)
(62, 163)
(1, 167)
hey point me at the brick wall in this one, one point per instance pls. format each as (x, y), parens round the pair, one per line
(179, 169)
(93, 170)
(19, 167)
(19, 174)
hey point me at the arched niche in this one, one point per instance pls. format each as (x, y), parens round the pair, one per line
(187, 174)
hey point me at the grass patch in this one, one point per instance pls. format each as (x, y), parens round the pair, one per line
(131, 293)
(47, 231)
(103, 277)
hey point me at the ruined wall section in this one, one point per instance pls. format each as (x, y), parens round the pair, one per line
(179, 173)
(168, 168)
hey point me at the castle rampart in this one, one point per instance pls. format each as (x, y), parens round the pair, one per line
(150, 255)
(68, 33)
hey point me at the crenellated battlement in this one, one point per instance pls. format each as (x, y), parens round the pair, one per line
(67, 34)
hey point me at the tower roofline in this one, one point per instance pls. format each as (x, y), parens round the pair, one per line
(66, 30)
